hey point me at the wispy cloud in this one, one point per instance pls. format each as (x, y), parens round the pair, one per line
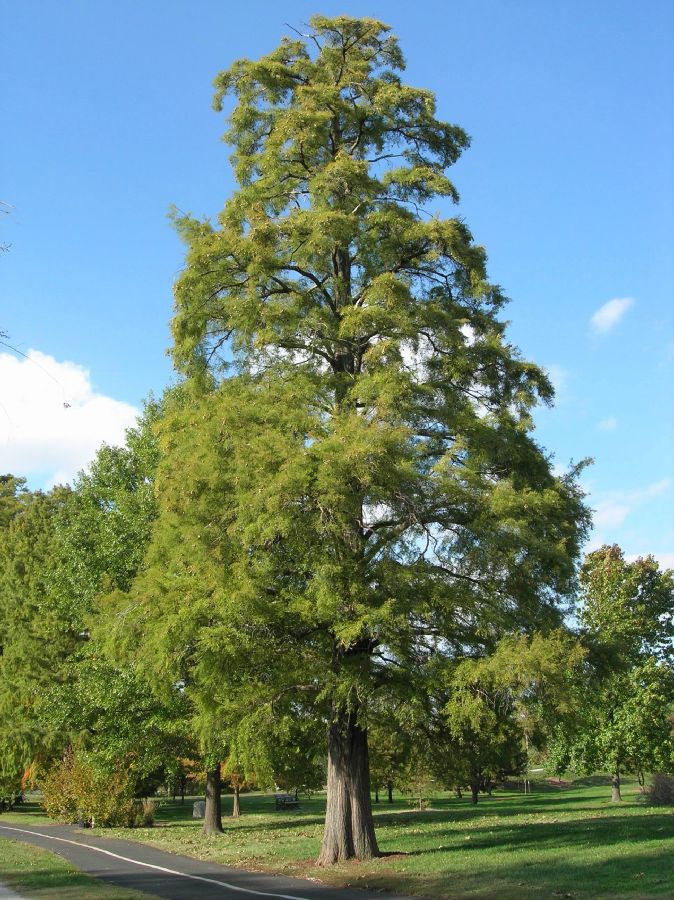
(608, 315)
(611, 508)
(665, 560)
(560, 377)
(610, 423)
(653, 490)
(609, 514)
(52, 420)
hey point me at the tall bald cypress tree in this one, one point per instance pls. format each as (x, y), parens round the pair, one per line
(382, 500)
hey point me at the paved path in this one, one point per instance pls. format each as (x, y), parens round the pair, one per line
(141, 868)
(6, 893)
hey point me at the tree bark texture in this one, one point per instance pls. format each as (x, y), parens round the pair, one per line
(615, 788)
(474, 792)
(213, 811)
(236, 802)
(349, 827)
(389, 788)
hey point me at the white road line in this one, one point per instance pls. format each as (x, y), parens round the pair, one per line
(226, 884)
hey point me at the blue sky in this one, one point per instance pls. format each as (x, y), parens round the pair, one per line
(569, 184)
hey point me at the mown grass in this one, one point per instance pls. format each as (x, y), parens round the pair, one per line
(33, 872)
(569, 841)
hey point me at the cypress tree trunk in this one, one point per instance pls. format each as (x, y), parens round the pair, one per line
(474, 791)
(213, 812)
(349, 828)
(236, 803)
(615, 788)
(376, 795)
(389, 787)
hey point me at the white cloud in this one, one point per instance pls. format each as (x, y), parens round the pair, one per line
(611, 508)
(610, 515)
(666, 560)
(608, 315)
(468, 333)
(653, 490)
(608, 424)
(416, 359)
(595, 542)
(51, 419)
(558, 376)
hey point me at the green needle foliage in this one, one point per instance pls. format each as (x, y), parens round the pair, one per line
(351, 486)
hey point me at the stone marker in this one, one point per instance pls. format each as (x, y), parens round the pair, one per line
(199, 809)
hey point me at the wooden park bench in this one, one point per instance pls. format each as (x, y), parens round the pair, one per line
(286, 801)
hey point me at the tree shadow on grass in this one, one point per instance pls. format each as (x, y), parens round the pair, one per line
(240, 824)
(596, 831)
(593, 781)
(632, 874)
(467, 814)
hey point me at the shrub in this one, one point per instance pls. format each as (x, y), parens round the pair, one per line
(142, 813)
(148, 812)
(66, 782)
(75, 791)
(661, 792)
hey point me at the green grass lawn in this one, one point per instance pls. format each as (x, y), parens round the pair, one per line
(33, 872)
(569, 841)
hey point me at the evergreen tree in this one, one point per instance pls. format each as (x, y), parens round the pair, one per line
(170, 627)
(362, 491)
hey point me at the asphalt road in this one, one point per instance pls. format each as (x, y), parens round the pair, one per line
(138, 867)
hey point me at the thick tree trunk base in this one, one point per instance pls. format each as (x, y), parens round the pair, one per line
(615, 789)
(213, 812)
(349, 827)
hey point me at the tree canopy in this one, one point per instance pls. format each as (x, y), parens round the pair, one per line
(352, 489)
(625, 695)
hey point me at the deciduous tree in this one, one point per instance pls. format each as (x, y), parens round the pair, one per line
(34, 642)
(626, 693)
